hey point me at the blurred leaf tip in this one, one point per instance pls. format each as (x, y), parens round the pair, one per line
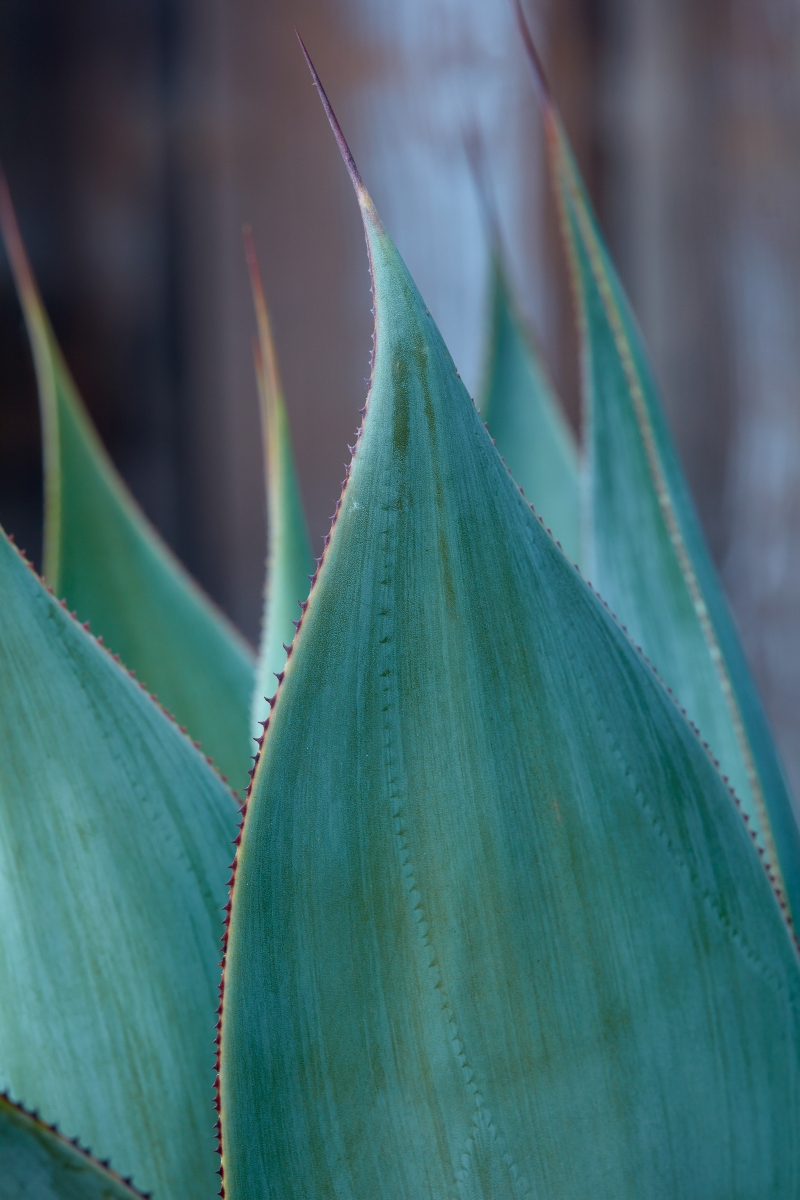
(518, 399)
(289, 561)
(539, 73)
(102, 554)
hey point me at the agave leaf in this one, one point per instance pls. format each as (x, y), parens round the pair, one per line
(496, 930)
(646, 553)
(114, 844)
(36, 1161)
(290, 564)
(105, 559)
(526, 421)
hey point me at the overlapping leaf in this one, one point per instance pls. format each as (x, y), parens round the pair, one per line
(289, 565)
(526, 421)
(497, 929)
(114, 845)
(102, 556)
(645, 551)
(38, 1163)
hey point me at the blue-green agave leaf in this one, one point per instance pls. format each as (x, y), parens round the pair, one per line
(645, 551)
(497, 930)
(115, 837)
(39, 1163)
(526, 420)
(105, 559)
(289, 566)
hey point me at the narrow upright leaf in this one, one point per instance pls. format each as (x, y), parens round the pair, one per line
(105, 559)
(496, 929)
(527, 423)
(39, 1163)
(645, 551)
(289, 564)
(115, 837)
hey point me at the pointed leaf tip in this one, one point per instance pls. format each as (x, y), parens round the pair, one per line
(344, 149)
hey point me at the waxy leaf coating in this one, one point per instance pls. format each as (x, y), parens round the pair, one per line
(38, 1163)
(289, 565)
(105, 559)
(645, 551)
(497, 929)
(115, 838)
(525, 419)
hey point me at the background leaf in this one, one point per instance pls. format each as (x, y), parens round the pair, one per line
(106, 560)
(525, 419)
(496, 928)
(290, 564)
(115, 837)
(38, 1163)
(645, 550)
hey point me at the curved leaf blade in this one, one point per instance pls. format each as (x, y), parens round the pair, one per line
(451, 969)
(289, 565)
(527, 423)
(645, 550)
(105, 559)
(37, 1161)
(115, 838)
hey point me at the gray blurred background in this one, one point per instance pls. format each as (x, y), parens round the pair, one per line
(139, 135)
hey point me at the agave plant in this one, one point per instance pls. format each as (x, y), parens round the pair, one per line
(498, 925)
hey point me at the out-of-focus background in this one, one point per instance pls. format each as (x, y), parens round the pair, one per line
(138, 137)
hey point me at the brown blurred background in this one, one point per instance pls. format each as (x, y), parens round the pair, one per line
(138, 136)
